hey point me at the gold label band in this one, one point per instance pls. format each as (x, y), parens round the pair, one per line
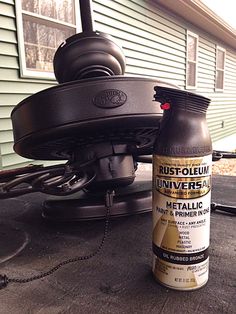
(181, 220)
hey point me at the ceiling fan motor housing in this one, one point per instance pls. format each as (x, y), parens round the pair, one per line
(88, 55)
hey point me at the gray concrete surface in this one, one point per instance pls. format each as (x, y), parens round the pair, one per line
(119, 280)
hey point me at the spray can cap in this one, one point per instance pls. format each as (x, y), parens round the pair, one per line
(171, 98)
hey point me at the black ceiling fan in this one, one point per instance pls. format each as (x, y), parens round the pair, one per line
(96, 118)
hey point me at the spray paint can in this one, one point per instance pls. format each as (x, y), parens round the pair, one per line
(181, 191)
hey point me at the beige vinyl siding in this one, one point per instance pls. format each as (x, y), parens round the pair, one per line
(13, 88)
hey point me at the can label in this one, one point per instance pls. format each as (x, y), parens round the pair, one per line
(181, 220)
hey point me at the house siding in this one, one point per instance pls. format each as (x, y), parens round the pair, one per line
(13, 88)
(154, 43)
(222, 111)
(155, 46)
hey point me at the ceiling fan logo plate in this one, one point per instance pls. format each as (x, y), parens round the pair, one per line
(110, 98)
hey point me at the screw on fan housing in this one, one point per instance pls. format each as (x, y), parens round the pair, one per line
(88, 54)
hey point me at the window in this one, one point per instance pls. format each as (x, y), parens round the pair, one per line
(192, 47)
(220, 68)
(42, 26)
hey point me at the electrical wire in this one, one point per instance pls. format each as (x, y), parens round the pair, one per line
(216, 155)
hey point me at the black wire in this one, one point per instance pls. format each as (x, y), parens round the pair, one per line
(4, 279)
(224, 208)
(216, 155)
(226, 154)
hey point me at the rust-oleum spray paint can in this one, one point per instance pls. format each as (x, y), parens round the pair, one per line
(181, 191)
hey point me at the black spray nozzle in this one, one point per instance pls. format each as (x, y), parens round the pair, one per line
(180, 99)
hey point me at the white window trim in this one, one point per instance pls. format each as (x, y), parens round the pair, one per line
(196, 62)
(218, 69)
(24, 72)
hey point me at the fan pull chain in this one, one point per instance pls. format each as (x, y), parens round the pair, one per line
(5, 280)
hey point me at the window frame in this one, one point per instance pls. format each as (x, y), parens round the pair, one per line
(189, 33)
(219, 69)
(24, 71)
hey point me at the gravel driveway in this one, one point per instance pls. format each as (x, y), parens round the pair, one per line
(225, 166)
